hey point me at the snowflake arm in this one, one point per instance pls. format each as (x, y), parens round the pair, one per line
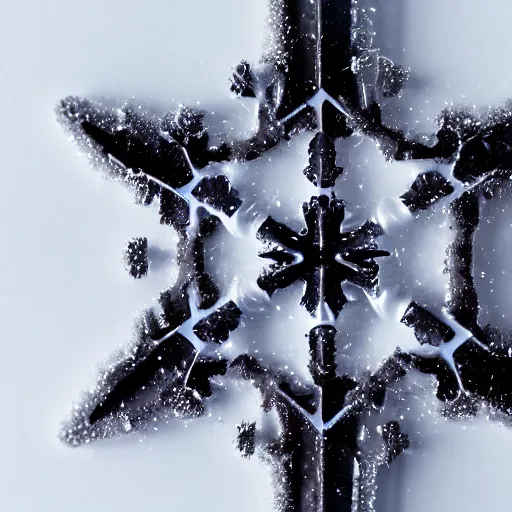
(316, 456)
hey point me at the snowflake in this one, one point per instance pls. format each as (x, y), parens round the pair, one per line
(321, 73)
(321, 255)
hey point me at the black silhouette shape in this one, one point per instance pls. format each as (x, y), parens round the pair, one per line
(321, 255)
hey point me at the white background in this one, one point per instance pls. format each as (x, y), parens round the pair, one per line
(66, 302)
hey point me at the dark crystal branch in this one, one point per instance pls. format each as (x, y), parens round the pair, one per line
(166, 371)
(316, 455)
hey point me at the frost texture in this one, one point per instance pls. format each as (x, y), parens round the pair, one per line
(321, 73)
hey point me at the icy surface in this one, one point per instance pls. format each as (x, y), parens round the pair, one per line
(66, 298)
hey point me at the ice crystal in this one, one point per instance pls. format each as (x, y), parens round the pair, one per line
(320, 73)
